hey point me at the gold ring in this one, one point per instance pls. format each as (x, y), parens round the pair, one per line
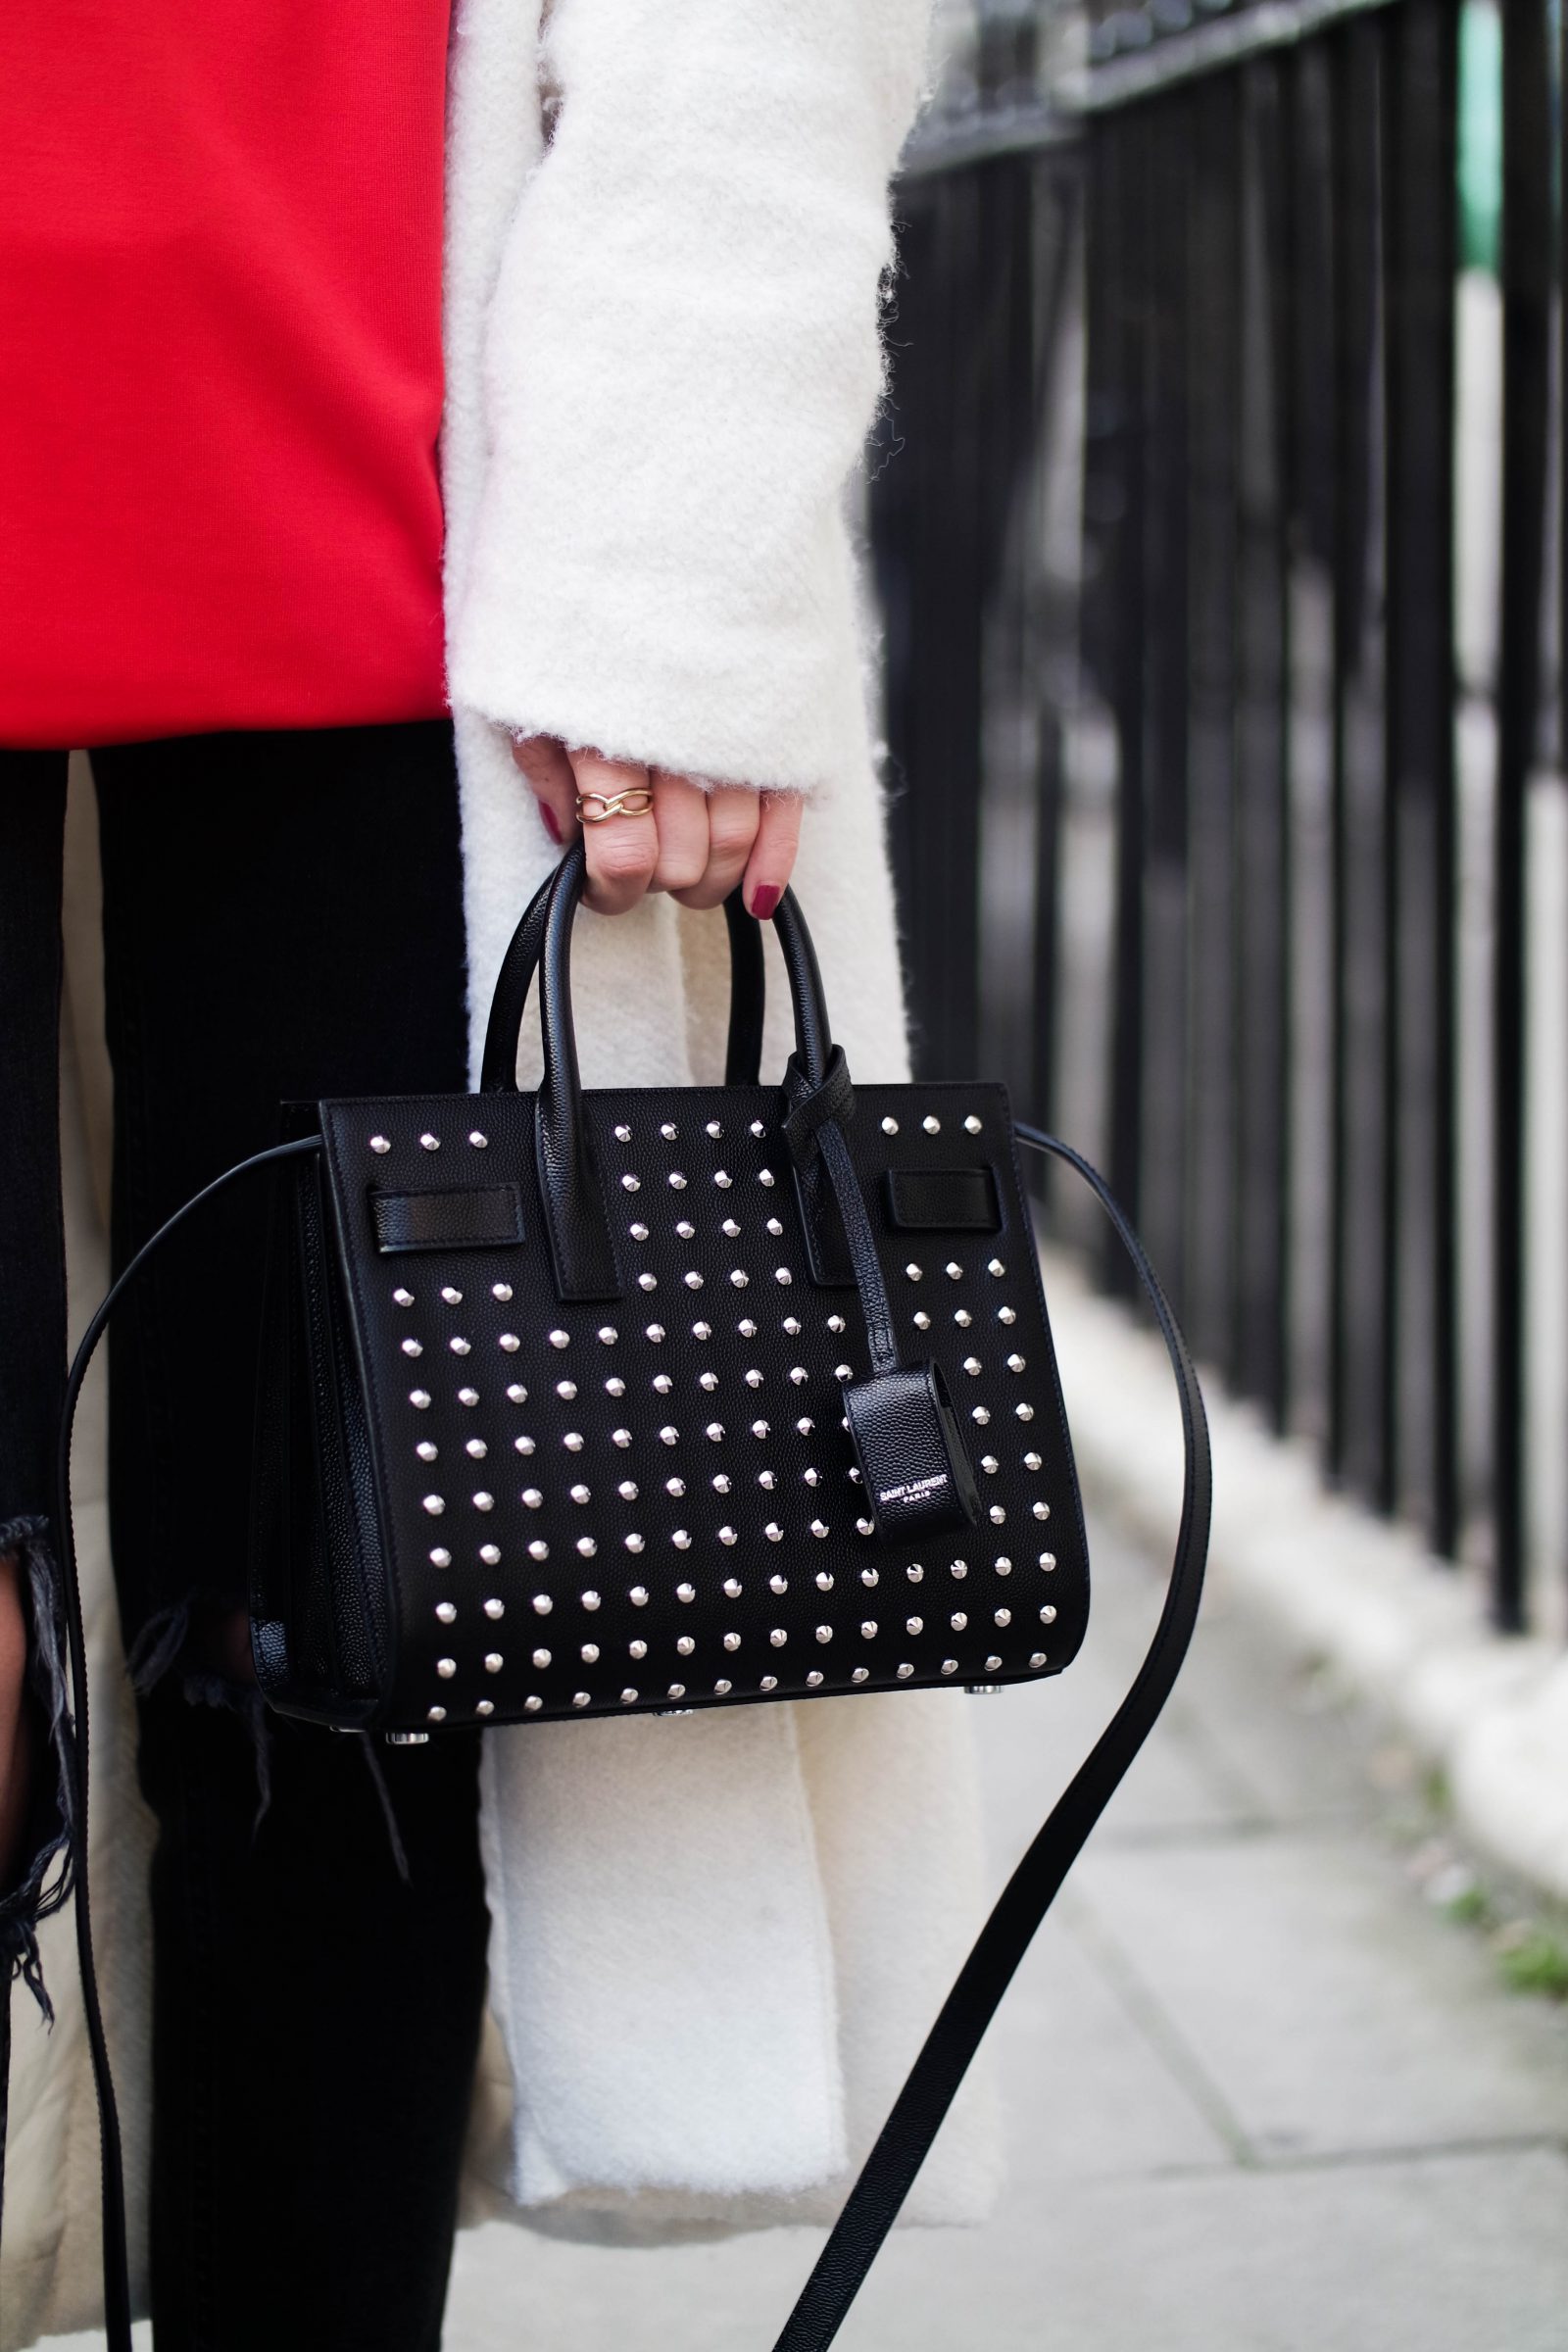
(637, 801)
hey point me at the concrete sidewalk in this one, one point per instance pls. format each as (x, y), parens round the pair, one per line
(1262, 2096)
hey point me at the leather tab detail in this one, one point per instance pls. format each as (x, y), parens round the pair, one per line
(486, 1216)
(916, 1475)
(943, 1200)
(834, 1099)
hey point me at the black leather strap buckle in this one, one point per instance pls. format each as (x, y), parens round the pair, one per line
(907, 1440)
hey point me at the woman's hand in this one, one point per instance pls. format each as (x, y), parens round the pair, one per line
(696, 845)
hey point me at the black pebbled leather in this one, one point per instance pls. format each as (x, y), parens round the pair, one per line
(485, 1217)
(913, 1467)
(941, 1201)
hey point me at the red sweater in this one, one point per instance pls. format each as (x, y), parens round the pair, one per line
(220, 365)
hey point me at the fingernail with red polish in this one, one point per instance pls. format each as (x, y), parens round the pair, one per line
(764, 899)
(552, 822)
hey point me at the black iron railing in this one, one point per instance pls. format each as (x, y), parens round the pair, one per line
(1183, 796)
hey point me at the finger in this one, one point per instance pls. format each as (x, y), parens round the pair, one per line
(622, 850)
(544, 762)
(772, 858)
(680, 813)
(732, 816)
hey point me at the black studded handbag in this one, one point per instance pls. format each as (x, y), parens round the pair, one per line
(579, 1403)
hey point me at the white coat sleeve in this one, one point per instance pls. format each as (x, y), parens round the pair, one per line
(682, 357)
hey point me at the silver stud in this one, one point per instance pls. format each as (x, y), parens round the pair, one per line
(667, 1131)
(916, 1573)
(701, 1331)
(931, 1124)
(990, 1465)
(972, 1365)
(608, 1334)
(590, 1601)
(913, 1271)
(714, 1129)
(993, 1665)
(648, 1282)
(758, 1128)
(1003, 1564)
(804, 1425)
(723, 1179)
(623, 1135)
(1024, 1412)
(523, 1445)
(721, 1484)
(732, 1587)
(446, 1612)
(774, 1226)
(723, 1688)
(952, 1270)
(732, 1640)
(859, 1674)
(435, 1714)
(753, 1378)
(431, 1143)
(996, 1514)
(824, 1580)
(452, 1297)
(495, 1608)
(813, 1476)
(971, 1124)
(446, 1668)
(693, 1280)
(1001, 1616)
(517, 1393)
(950, 1665)
(589, 1653)
(681, 1539)
(870, 1577)
(765, 1176)
(739, 1277)
(579, 1698)
(543, 1604)
(1048, 1615)
(401, 1298)
(531, 1499)
(770, 1681)
(760, 1428)
(958, 1568)
(656, 1333)
(995, 1266)
(1033, 1461)
(412, 1348)
(630, 1183)
(727, 1535)
(669, 1435)
(747, 1328)
(783, 1274)
(1005, 1314)
(677, 1182)
(865, 1527)
(922, 1321)
(638, 1596)
(729, 1229)
(1037, 1658)
(435, 1505)
(379, 1143)
(767, 1479)
(484, 1501)
(798, 1374)
(532, 1704)
(890, 1126)
(580, 1494)
(572, 1440)
(538, 1550)
(824, 1633)
(510, 1342)
(914, 1625)
(587, 1547)
(627, 1490)
(420, 1398)
(1015, 1363)
(560, 1339)
(425, 1450)
(674, 1486)
(981, 1416)
(460, 1347)
(813, 1680)
(774, 1532)
(685, 1230)
(778, 1637)
(638, 1232)
(1041, 1511)
(958, 1620)
(869, 1628)
(440, 1558)
(684, 1645)
(676, 1691)
(707, 1381)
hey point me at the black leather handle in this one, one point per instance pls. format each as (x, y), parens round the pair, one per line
(509, 1002)
(575, 1214)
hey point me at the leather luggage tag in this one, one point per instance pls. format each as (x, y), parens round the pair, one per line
(912, 1462)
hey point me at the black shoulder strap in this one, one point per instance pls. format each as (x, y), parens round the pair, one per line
(901, 2148)
(873, 2203)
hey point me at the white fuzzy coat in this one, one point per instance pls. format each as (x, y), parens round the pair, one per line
(717, 1941)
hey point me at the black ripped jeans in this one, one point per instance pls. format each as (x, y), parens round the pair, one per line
(282, 919)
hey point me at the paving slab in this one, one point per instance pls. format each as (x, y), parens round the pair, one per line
(1453, 2254)
(1330, 2006)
